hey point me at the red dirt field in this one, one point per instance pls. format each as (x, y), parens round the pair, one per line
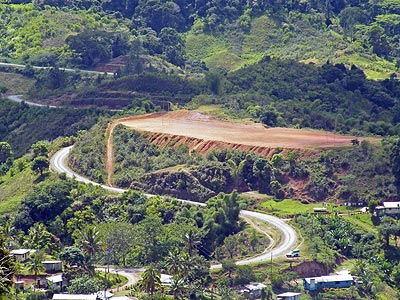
(203, 133)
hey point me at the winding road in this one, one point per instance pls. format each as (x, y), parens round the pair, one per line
(11, 65)
(288, 234)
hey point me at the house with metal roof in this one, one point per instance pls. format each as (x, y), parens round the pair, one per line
(328, 282)
(388, 209)
(288, 296)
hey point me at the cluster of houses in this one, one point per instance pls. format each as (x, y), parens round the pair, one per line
(55, 278)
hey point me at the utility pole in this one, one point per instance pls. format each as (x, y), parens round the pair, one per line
(271, 265)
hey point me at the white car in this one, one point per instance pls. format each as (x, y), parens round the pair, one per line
(293, 253)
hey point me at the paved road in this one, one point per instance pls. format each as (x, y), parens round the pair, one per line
(63, 69)
(18, 98)
(133, 276)
(288, 234)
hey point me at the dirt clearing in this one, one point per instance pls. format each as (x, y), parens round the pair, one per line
(203, 127)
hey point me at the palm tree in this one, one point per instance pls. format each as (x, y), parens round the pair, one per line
(89, 240)
(35, 263)
(151, 279)
(173, 263)
(177, 288)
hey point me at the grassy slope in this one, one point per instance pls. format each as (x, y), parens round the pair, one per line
(298, 41)
(15, 83)
(14, 188)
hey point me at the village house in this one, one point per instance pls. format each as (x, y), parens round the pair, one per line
(328, 282)
(253, 291)
(52, 266)
(388, 209)
(22, 254)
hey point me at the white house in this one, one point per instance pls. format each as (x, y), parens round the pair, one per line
(388, 209)
(253, 291)
(22, 254)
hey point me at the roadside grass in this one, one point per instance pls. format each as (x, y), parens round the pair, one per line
(13, 188)
(15, 83)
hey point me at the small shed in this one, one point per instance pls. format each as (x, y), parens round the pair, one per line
(328, 282)
(19, 285)
(253, 291)
(52, 266)
(288, 296)
(57, 280)
(22, 254)
(73, 297)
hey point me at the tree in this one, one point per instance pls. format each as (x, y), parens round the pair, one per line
(85, 285)
(349, 17)
(35, 263)
(395, 160)
(117, 239)
(40, 148)
(150, 279)
(89, 240)
(7, 269)
(40, 164)
(6, 157)
(230, 243)
(6, 152)
(173, 46)
(39, 238)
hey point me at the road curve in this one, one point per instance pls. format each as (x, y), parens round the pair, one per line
(288, 234)
(18, 99)
(4, 64)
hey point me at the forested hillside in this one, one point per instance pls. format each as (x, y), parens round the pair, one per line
(219, 34)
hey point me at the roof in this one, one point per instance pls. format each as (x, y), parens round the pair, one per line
(288, 294)
(73, 297)
(255, 286)
(51, 262)
(166, 279)
(20, 251)
(331, 278)
(391, 204)
(55, 279)
(100, 295)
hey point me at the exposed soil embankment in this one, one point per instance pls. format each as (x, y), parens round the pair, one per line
(204, 146)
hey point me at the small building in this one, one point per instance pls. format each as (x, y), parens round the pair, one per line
(22, 254)
(253, 291)
(288, 296)
(166, 279)
(328, 282)
(388, 209)
(57, 280)
(19, 285)
(74, 297)
(103, 295)
(52, 266)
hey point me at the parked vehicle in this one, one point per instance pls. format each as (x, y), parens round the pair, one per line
(293, 253)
